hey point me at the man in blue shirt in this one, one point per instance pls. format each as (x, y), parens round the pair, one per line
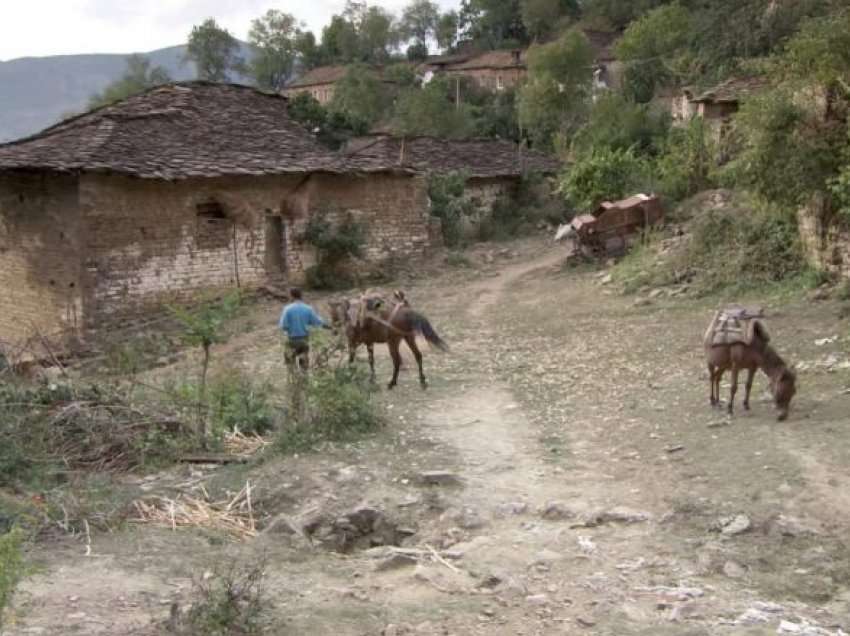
(295, 322)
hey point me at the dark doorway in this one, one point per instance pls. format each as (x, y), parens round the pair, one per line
(275, 246)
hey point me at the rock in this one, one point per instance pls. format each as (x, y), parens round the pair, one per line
(614, 515)
(557, 511)
(283, 525)
(734, 570)
(792, 527)
(820, 294)
(537, 599)
(685, 611)
(512, 508)
(587, 545)
(439, 478)
(753, 617)
(787, 627)
(767, 606)
(736, 525)
(546, 557)
(656, 293)
(585, 622)
(642, 302)
(396, 562)
(469, 519)
(606, 280)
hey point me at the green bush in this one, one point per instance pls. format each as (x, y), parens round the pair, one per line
(727, 251)
(449, 204)
(12, 568)
(334, 246)
(340, 407)
(687, 162)
(604, 174)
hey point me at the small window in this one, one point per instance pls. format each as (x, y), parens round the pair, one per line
(213, 228)
(211, 210)
(500, 84)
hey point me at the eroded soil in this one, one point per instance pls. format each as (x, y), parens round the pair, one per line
(594, 483)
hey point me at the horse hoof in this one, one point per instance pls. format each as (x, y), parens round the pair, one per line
(424, 385)
(746, 406)
(390, 386)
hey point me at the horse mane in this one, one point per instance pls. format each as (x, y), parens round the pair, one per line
(772, 361)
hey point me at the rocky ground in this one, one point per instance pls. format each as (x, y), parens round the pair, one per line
(563, 474)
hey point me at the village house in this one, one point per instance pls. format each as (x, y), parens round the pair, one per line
(318, 82)
(183, 188)
(494, 168)
(716, 105)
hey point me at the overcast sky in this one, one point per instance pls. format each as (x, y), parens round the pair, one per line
(58, 27)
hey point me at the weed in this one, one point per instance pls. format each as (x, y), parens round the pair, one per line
(227, 602)
(457, 259)
(334, 245)
(339, 408)
(450, 204)
(12, 567)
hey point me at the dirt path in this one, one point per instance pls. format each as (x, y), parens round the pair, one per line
(594, 485)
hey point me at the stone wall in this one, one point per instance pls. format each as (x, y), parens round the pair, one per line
(483, 194)
(493, 79)
(826, 242)
(40, 286)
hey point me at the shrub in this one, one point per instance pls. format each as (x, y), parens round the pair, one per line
(340, 407)
(12, 568)
(334, 246)
(727, 250)
(687, 162)
(449, 204)
(229, 602)
(604, 174)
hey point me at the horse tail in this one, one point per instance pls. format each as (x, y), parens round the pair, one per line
(423, 326)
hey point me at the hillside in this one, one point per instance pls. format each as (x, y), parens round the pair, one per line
(37, 91)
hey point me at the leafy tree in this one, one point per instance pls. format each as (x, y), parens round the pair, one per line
(493, 23)
(360, 34)
(138, 76)
(618, 123)
(419, 21)
(687, 163)
(309, 53)
(417, 52)
(378, 35)
(648, 46)
(214, 51)
(446, 32)
(332, 128)
(616, 14)
(273, 39)
(541, 18)
(432, 111)
(361, 95)
(554, 100)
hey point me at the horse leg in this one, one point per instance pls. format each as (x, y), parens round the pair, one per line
(396, 356)
(411, 342)
(734, 388)
(352, 353)
(371, 349)
(711, 371)
(751, 374)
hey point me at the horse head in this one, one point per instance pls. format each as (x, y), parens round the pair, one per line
(784, 387)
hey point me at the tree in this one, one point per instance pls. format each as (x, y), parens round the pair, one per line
(419, 21)
(649, 48)
(554, 100)
(308, 51)
(431, 111)
(603, 174)
(541, 18)
(378, 35)
(493, 23)
(138, 77)
(361, 94)
(273, 39)
(446, 32)
(331, 128)
(214, 51)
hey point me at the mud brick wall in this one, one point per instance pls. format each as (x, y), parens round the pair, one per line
(147, 241)
(40, 287)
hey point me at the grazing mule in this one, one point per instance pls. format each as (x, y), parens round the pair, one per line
(758, 354)
(371, 320)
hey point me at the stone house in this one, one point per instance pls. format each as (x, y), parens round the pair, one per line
(716, 105)
(492, 70)
(494, 168)
(183, 188)
(319, 82)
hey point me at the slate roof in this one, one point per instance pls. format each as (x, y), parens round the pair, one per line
(183, 130)
(319, 76)
(492, 60)
(733, 90)
(479, 158)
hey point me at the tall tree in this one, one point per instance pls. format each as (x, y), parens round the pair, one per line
(542, 18)
(214, 51)
(308, 51)
(273, 39)
(138, 76)
(493, 23)
(378, 35)
(554, 100)
(361, 95)
(446, 32)
(419, 21)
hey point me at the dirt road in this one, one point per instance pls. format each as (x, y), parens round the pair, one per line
(581, 484)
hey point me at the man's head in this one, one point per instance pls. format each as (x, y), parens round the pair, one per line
(295, 294)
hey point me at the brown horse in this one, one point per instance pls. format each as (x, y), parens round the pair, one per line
(372, 320)
(757, 355)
